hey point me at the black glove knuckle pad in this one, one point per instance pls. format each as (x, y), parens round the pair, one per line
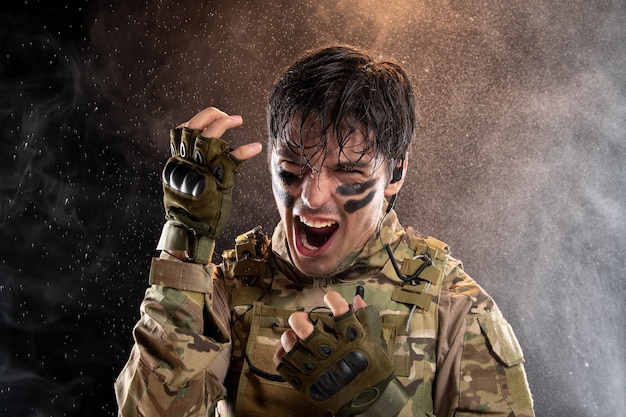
(339, 374)
(183, 178)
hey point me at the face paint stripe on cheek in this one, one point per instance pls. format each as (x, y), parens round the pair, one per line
(354, 205)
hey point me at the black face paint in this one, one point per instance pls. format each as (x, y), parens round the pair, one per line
(355, 189)
(280, 180)
(354, 205)
(287, 177)
(281, 194)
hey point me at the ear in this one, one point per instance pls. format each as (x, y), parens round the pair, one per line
(396, 183)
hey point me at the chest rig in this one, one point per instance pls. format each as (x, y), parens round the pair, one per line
(404, 291)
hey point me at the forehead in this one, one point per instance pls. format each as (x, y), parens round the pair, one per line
(315, 148)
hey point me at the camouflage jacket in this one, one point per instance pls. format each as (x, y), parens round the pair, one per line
(451, 347)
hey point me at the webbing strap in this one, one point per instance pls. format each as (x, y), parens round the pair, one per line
(426, 269)
(181, 275)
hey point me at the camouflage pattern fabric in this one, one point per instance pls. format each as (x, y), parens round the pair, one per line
(456, 355)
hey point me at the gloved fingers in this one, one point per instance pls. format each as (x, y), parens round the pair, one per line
(320, 344)
(180, 172)
(368, 317)
(343, 317)
(348, 327)
(182, 141)
(215, 153)
(224, 167)
(187, 142)
(299, 359)
(174, 141)
(307, 354)
(205, 149)
(191, 145)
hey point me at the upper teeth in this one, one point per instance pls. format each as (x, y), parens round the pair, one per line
(316, 223)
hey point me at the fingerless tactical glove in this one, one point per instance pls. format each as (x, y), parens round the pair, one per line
(197, 193)
(343, 368)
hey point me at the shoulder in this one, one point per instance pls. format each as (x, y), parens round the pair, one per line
(458, 284)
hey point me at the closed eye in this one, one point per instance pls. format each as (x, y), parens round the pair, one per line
(288, 177)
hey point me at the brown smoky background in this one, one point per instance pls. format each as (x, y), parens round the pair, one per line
(518, 165)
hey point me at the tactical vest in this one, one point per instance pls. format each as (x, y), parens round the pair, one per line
(405, 293)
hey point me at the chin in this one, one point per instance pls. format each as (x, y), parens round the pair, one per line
(314, 269)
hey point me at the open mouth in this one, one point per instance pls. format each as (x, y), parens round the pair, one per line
(312, 235)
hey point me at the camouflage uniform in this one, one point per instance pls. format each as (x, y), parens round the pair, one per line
(451, 347)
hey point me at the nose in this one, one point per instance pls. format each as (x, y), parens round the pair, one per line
(316, 190)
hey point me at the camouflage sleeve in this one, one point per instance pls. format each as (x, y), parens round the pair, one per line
(480, 363)
(177, 364)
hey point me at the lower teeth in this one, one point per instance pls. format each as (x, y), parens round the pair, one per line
(306, 243)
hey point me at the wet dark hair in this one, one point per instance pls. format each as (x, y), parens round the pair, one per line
(335, 91)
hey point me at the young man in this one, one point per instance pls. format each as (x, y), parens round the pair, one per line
(270, 331)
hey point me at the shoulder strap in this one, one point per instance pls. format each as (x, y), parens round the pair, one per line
(422, 273)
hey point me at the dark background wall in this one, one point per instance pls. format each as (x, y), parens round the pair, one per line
(519, 167)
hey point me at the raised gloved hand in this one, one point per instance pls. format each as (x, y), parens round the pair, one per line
(197, 183)
(197, 192)
(344, 368)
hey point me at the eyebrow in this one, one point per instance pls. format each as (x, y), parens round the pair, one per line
(359, 164)
(286, 153)
(343, 162)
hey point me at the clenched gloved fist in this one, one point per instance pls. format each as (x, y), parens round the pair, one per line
(197, 192)
(344, 368)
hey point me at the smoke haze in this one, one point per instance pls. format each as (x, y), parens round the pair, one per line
(518, 165)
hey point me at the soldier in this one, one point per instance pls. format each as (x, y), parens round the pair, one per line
(271, 331)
